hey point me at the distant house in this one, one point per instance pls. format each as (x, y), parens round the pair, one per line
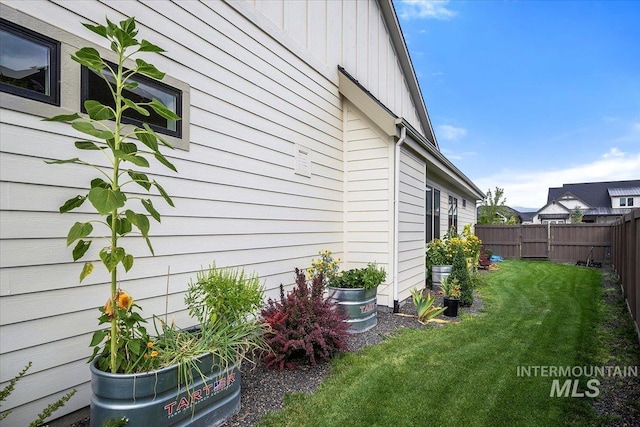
(599, 202)
(303, 128)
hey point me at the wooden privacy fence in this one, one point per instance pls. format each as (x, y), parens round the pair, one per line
(556, 242)
(616, 245)
(625, 258)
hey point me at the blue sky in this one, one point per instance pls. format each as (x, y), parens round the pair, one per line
(527, 95)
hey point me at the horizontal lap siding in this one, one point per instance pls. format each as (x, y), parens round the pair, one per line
(367, 209)
(411, 245)
(238, 201)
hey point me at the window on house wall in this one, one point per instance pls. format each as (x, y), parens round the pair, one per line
(94, 87)
(623, 201)
(630, 201)
(453, 213)
(432, 214)
(29, 64)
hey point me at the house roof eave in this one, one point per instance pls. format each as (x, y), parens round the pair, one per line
(397, 38)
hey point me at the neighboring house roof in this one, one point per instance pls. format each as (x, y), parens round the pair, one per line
(594, 194)
(618, 192)
(605, 211)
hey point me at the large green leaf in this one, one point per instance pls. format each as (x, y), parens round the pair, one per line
(164, 194)
(99, 182)
(63, 118)
(127, 262)
(145, 46)
(97, 111)
(89, 129)
(143, 111)
(106, 200)
(87, 145)
(129, 26)
(98, 337)
(89, 57)
(78, 231)
(162, 159)
(122, 225)
(72, 203)
(129, 147)
(136, 160)
(111, 258)
(139, 220)
(81, 248)
(143, 67)
(147, 138)
(98, 29)
(148, 205)
(157, 136)
(140, 179)
(160, 108)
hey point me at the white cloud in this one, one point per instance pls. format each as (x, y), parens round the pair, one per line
(450, 133)
(428, 9)
(530, 189)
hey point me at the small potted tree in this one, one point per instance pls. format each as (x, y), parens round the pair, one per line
(451, 296)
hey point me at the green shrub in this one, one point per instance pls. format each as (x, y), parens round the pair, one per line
(460, 273)
(368, 277)
(46, 412)
(224, 293)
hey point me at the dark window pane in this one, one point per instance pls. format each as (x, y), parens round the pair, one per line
(94, 87)
(29, 63)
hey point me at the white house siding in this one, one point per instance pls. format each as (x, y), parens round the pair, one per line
(238, 200)
(411, 223)
(348, 33)
(368, 197)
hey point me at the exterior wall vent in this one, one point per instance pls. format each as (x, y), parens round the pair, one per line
(302, 161)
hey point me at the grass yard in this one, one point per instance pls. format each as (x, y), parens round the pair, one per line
(536, 314)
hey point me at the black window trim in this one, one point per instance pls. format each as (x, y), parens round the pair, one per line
(54, 58)
(84, 96)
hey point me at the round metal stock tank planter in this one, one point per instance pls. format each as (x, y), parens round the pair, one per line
(438, 274)
(154, 399)
(360, 306)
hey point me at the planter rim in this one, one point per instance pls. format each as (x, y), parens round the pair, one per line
(354, 289)
(94, 369)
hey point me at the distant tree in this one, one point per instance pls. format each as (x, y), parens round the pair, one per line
(494, 210)
(576, 215)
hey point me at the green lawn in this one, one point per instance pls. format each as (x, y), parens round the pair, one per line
(536, 314)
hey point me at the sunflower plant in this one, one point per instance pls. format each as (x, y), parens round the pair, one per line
(126, 148)
(136, 350)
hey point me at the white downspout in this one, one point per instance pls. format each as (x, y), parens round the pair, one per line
(396, 219)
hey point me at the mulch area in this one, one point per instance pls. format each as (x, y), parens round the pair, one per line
(264, 390)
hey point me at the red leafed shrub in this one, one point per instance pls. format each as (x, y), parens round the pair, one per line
(305, 327)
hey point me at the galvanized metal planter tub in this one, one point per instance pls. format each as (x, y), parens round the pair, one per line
(359, 304)
(154, 399)
(438, 274)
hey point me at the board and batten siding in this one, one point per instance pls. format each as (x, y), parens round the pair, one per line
(238, 199)
(368, 197)
(411, 223)
(348, 33)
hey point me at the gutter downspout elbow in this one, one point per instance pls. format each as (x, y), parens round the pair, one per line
(396, 219)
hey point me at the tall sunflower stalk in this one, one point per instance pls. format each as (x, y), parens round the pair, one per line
(118, 144)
